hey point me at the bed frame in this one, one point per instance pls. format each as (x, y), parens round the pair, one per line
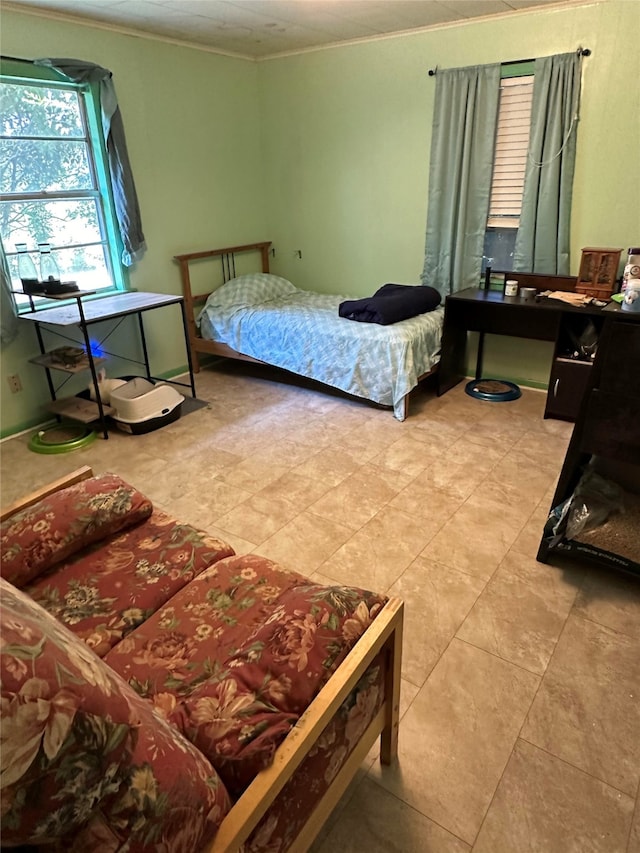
(192, 300)
(384, 636)
(201, 346)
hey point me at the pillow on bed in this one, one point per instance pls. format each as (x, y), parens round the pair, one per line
(250, 289)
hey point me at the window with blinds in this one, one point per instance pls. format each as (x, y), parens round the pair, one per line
(512, 140)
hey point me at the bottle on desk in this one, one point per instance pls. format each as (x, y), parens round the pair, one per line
(50, 282)
(27, 270)
(485, 280)
(631, 269)
(49, 271)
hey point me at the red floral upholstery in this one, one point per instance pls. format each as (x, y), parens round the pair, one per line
(293, 806)
(229, 650)
(109, 589)
(235, 658)
(83, 757)
(37, 538)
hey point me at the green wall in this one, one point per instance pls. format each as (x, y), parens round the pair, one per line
(347, 136)
(348, 131)
(327, 152)
(192, 125)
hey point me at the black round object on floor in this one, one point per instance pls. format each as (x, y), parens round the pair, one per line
(493, 390)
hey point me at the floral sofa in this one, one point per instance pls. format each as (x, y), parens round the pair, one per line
(160, 692)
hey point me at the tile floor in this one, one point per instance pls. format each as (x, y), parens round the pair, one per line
(521, 682)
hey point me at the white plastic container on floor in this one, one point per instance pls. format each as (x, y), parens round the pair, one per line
(139, 400)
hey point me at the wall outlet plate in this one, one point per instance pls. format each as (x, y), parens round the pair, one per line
(14, 383)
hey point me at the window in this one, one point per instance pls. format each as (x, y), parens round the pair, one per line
(54, 186)
(460, 242)
(510, 160)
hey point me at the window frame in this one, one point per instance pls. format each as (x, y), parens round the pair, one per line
(28, 74)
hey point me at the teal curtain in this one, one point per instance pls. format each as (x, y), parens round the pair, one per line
(543, 240)
(124, 191)
(462, 145)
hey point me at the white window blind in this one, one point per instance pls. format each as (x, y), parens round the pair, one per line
(512, 141)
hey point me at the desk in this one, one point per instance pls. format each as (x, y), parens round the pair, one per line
(84, 314)
(490, 312)
(606, 436)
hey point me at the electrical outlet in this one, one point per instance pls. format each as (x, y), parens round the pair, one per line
(14, 383)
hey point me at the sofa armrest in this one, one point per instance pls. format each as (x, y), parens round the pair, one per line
(384, 634)
(32, 498)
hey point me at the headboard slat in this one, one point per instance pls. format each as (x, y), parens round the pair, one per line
(191, 300)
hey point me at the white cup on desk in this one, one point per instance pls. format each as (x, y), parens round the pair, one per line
(511, 288)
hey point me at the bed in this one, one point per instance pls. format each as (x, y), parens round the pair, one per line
(255, 316)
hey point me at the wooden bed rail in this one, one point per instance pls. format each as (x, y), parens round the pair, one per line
(231, 250)
(192, 300)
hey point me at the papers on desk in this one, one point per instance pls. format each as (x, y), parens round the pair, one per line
(571, 298)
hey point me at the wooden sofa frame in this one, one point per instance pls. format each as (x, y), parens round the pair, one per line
(384, 635)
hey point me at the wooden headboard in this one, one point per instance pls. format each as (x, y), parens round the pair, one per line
(193, 300)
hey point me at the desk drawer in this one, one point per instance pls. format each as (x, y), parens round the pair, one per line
(519, 320)
(567, 385)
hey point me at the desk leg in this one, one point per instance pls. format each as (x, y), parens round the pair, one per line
(92, 368)
(188, 348)
(52, 390)
(143, 341)
(480, 355)
(453, 350)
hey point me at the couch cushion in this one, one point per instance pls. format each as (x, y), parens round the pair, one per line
(235, 658)
(83, 757)
(291, 809)
(110, 588)
(37, 538)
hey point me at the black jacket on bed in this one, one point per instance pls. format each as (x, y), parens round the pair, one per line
(391, 303)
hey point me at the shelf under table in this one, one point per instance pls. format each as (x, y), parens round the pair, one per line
(79, 409)
(46, 360)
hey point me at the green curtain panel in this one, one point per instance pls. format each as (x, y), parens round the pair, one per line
(462, 144)
(123, 187)
(542, 243)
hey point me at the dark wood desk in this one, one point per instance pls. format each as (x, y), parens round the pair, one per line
(607, 437)
(490, 312)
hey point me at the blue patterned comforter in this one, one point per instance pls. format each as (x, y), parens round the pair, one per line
(301, 332)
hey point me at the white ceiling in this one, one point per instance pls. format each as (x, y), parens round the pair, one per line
(263, 28)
